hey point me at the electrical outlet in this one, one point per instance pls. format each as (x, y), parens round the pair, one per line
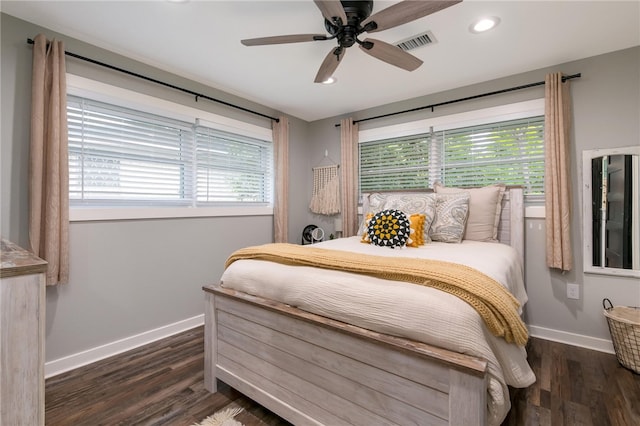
(573, 291)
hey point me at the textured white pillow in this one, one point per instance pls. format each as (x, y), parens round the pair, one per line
(407, 202)
(410, 203)
(485, 205)
(452, 211)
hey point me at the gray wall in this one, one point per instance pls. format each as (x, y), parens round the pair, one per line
(126, 277)
(606, 113)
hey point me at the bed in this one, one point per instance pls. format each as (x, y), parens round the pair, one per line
(327, 347)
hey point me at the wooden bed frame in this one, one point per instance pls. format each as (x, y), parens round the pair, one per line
(311, 370)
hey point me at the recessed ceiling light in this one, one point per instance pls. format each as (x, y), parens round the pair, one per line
(330, 80)
(484, 24)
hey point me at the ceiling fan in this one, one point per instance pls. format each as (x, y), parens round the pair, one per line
(345, 20)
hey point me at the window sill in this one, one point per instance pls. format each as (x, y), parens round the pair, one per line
(89, 214)
(530, 212)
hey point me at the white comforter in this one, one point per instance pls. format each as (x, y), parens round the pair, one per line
(402, 309)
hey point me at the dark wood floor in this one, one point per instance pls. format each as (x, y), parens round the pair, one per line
(162, 384)
(575, 386)
(158, 384)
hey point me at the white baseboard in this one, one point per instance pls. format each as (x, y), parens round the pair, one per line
(595, 343)
(61, 365)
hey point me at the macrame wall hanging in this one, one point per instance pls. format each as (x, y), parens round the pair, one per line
(326, 190)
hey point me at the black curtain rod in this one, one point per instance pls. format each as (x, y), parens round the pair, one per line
(153, 80)
(468, 98)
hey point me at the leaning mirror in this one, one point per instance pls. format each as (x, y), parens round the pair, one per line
(611, 211)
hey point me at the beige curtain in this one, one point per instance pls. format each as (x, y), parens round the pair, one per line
(281, 196)
(349, 159)
(48, 163)
(557, 172)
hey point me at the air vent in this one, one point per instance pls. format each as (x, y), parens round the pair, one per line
(417, 41)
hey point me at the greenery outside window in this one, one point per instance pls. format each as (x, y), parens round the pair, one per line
(510, 152)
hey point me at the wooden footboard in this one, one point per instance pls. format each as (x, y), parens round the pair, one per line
(312, 370)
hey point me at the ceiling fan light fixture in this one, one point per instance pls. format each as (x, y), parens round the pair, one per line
(484, 24)
(345, 20)
(330, 80)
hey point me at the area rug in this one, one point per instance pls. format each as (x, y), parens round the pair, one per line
(224, 417)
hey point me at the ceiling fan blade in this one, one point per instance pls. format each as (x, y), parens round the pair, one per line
(294, 38)
(391, 54)
(403, 12)
(331, 9)
(329, 65)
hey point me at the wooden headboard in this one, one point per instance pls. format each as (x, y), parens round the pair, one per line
(511, 226)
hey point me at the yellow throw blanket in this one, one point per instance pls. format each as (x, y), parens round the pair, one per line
(497, 307)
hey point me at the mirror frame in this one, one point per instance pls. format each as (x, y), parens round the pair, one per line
(587, 253)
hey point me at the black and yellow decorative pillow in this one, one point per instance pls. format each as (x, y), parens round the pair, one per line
(389, 228)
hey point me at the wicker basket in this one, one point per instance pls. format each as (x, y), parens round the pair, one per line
(624, 325)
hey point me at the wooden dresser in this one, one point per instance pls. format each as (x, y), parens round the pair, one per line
(22, 331)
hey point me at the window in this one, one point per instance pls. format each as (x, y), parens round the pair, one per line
(509, 151)
(232, 168)
(398, 163)
(122, 156)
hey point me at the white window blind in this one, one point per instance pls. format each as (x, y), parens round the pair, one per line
(399, 163)
(510, 152)
(120, 156)
(232, 168)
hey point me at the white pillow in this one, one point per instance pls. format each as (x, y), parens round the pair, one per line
(407, 202)
(485, 205)
(452, 211)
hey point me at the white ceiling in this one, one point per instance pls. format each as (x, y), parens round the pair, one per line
(201, 40)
